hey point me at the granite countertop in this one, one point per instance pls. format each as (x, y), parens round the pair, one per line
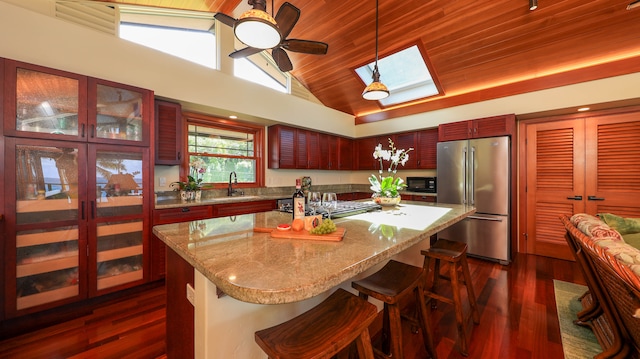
(255, 268)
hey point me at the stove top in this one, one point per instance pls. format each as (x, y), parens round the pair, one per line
(343, 209)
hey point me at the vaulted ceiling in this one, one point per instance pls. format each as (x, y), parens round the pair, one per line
(478, 50)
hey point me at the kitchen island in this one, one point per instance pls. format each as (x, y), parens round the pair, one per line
(269, 280)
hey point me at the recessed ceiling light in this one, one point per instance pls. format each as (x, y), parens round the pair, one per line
(233, 117)
(582, 109)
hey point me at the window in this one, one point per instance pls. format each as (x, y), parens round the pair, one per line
(406, 75)
(224, 147)
(248, 70)
(181, 33)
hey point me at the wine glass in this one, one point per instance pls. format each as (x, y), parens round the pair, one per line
(329, 202)
(314, 199)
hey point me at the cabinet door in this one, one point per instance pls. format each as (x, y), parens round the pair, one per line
(426, 148)
(313, 149)
(44, 103)
(454, 131)
(118, 113)
(168, 128)
(345, 153)
(364, 149)
(301, 149)
(406, 141)
(281, 142)
(118, 216)
(46, 237)
(328, 151)
(493, 126)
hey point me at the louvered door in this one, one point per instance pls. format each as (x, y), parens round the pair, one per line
(555, 183)
(613, 179)
(588, 165)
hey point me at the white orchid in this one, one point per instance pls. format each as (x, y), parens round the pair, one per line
(388, 186)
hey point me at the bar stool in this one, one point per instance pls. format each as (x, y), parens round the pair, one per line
(454, 253)
(323, 331)
(389, 285)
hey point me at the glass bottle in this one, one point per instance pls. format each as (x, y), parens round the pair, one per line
(298, 201)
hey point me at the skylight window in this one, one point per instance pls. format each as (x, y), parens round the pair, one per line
(406, 75)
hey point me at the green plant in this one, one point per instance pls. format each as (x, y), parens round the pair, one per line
(194, 179)
(388, 186)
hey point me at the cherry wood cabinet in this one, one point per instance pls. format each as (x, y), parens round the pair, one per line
(77, 221)
(478, 128)
(423, 142)
(295, 148)
(46, 103)
(168, 128)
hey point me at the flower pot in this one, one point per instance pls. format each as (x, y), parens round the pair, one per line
(190, 196)
(387, 201)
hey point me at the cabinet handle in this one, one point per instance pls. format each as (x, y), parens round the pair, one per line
(179, 155)
(92, 131)
(82, 131)
(594, 198)
(185, 209)
(576, 198)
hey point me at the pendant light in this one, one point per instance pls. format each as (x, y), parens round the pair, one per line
(376, 90)
(256, 28)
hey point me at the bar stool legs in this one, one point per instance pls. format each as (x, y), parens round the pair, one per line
(453, 253)
(391, 283)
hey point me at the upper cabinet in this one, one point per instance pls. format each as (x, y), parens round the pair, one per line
(423, 142)
(168, 126)
(45, 103)
(478, 128)
(296, 148)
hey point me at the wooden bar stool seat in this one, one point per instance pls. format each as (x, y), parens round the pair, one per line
(389, 285)
(454, 253)
(323, 331)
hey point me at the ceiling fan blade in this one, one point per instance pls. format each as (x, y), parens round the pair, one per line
(286, 18)
(247, 51)
(306, 46)
(225, 19)
(282, 59)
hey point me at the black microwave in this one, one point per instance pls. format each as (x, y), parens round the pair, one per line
(422, 184)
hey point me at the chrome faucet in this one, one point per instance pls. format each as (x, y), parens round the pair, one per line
(230, 190)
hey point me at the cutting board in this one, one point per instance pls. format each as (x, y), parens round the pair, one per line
(303, 234)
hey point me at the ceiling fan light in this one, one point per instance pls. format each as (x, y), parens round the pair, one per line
(375, 91)
(256, 28)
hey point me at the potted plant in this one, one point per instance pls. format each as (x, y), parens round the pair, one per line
(386, 189)
(190, 190)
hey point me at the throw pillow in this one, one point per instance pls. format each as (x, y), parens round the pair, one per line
(620, 224)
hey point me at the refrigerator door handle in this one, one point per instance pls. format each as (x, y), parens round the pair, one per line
(472, 188)
(486, 218)
(465, 187)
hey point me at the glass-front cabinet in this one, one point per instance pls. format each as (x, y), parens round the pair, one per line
(75, 218)
(48, 103)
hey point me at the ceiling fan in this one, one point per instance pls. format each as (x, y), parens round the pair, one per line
(285, 19)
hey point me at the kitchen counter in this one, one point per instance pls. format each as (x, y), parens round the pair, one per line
(255, 268)
(269, 280)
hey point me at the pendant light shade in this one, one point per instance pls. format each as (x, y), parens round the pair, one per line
(376, 89)
(256, 28)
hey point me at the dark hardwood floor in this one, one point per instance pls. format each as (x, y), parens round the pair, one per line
(516, 302)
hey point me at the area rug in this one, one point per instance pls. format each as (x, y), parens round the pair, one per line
(577, 342)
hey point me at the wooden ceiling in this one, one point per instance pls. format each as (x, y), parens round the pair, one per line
(478, 50)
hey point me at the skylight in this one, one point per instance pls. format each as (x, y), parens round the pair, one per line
(405, 74)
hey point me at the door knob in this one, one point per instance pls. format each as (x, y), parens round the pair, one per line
(575, 198)
(594, 198)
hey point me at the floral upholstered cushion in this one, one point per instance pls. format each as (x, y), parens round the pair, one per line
(593, 227)
(620, 224)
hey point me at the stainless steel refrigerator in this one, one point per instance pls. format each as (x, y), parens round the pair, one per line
(477, 172)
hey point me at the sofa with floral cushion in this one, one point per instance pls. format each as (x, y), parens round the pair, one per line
(611, 266)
